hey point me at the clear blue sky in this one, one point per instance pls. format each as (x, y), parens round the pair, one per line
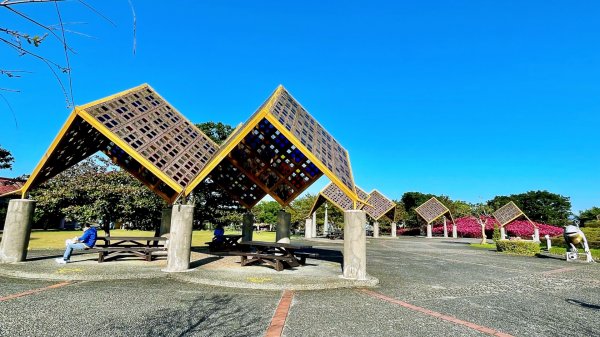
(470, 99)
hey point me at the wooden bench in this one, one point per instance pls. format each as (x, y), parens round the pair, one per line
(277, 255)
(145, 252)
(139, 246)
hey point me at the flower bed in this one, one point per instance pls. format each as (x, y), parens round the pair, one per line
(468, 227)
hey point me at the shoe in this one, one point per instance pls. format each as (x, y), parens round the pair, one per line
(60, 260)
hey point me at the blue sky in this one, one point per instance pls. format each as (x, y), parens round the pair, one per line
(470, 99)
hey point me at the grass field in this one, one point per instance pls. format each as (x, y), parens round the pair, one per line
(56, 239)
(553, 250)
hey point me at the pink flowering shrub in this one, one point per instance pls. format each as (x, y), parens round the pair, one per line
(468, 227)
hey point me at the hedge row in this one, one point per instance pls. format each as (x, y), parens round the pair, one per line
(592, 235)
(518, 247)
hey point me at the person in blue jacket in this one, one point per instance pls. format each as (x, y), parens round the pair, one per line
(86, 241)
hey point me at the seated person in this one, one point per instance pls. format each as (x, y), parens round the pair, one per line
(86, 241)
(219, 232)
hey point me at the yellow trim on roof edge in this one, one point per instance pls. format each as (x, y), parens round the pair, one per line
(312, 157)
(48, 152)
(129, 150)
(229, 146)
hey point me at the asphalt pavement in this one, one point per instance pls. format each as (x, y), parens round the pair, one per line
(426, 287)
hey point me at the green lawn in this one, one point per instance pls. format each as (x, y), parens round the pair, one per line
(56, 239)
(562, 251)
(553, 250)
(483, 246)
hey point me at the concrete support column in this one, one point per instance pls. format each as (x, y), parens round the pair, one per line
(376, 229)
(355, 245)
(502, 233)
(180, 242)
(394, 230)
(308, 229)
(282, 235)
(314, 225)
(429, 231)
(17, 228)
(454, 231)
(165, 221)
(247, 226)
(536, 234)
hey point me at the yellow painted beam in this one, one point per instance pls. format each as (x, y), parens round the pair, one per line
(48, 153)
(227, 147)
(351, 194)
(129, 150)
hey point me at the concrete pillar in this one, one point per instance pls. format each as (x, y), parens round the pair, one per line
(180, 242)
(394, 230)
(454, 232)
(314, 225)
(376, 229)
(502, 233)
(17, 228)
(548, 242)
(536, 234)
(445, 228)
(282, 235)
(355, 245)
(165, 221)
(308, 229)
(429, 231)
(247, 226)
(325, 223)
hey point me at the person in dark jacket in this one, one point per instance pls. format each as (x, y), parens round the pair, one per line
(86, 241)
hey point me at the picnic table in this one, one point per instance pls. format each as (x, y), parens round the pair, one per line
(143, 246)
(277, 255)
(230, 242)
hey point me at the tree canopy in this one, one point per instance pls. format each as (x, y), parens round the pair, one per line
(6, 159)
(540, 206)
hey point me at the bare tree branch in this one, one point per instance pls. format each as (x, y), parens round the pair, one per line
(10, 108)
(66, 48)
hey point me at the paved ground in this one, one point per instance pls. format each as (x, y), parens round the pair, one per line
(426, 288)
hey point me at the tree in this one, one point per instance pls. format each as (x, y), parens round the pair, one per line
(591, 214)
(216, 131)
(6, 159)
(213, 204)
(96, 191)
(540, 206)
(266, 212)
(412, 200)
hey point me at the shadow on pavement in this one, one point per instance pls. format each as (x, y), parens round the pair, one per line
(583, 304)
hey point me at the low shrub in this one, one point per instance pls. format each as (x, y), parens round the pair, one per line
(591, 234)
(518, 247)
(592, 224)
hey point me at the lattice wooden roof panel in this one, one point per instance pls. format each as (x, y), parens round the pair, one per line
(139, 131)
(507, 213)
(378, 206)
(340, 200)
(431, 210)
(266, 158)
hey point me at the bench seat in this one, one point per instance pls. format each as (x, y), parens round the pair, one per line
(145, 252)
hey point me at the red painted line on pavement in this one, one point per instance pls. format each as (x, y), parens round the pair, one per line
(557, 271)
(34, 291)
(281, 313)
(455, 320)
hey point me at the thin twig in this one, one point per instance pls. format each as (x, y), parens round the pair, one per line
(97, 12)
(11, 109)
(134, 25)
(66, 48)
(7, 3)
(38, 23)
